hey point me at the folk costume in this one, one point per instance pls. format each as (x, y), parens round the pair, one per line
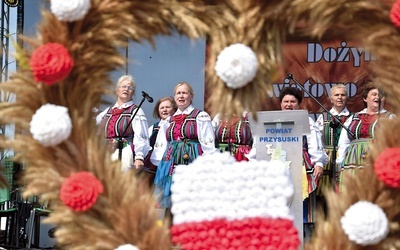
(329, 138)
(149, 168)
(153, 132)
(314, 156)
(353, 149)
(113, 123)
(233, 135)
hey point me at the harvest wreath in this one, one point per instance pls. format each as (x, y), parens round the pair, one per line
(64, 72)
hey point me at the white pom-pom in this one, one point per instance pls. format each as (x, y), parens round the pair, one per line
(127, 247)
(51, 125)
(70, 10)
(365, 223)
(236, 65)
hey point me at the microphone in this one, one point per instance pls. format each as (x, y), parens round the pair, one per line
(380, 96)
(288, 78)
(149, 98)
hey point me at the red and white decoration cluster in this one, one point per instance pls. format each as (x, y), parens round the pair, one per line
(219, 203)
(365, 223)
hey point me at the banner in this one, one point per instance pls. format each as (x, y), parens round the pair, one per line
(318, 66)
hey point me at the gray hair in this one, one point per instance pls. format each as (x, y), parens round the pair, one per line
(128, 78)
(337, 86)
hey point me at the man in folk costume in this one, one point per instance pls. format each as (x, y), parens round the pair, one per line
(314, 159)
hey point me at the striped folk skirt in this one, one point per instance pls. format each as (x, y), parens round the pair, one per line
(354, 160)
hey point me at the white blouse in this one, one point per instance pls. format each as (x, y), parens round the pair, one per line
(316, 150)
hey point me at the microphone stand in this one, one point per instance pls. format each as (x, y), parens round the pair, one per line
(334, 124)
(380, 96)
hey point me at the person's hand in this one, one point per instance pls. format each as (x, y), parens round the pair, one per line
(318, 172)
(138, 164)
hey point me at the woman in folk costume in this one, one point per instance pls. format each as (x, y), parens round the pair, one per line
(233, 135)
(314, 159)
(330, 136)
(114, 123)
(188, 135)
(353, 147)
(164, 108)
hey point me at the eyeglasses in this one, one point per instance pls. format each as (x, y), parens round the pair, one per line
(126, 87)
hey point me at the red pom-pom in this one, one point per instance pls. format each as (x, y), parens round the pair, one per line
(80, 191)
(395, 13)
(387, 167)
(51, 63)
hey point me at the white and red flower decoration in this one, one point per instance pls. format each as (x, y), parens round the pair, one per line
(236, 65)
(220, 203)
(127, 247)
(70, 10)
(51, 125)
(51, 63)
(365, 223)
(387, 167)
(395, 13)
(80, 191)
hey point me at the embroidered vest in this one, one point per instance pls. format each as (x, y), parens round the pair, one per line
(327, 135)
(363, 125)
(114, 125)
(236, 131)
(186, 129)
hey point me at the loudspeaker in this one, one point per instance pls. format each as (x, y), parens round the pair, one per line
(46, 234)
(42, 234)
